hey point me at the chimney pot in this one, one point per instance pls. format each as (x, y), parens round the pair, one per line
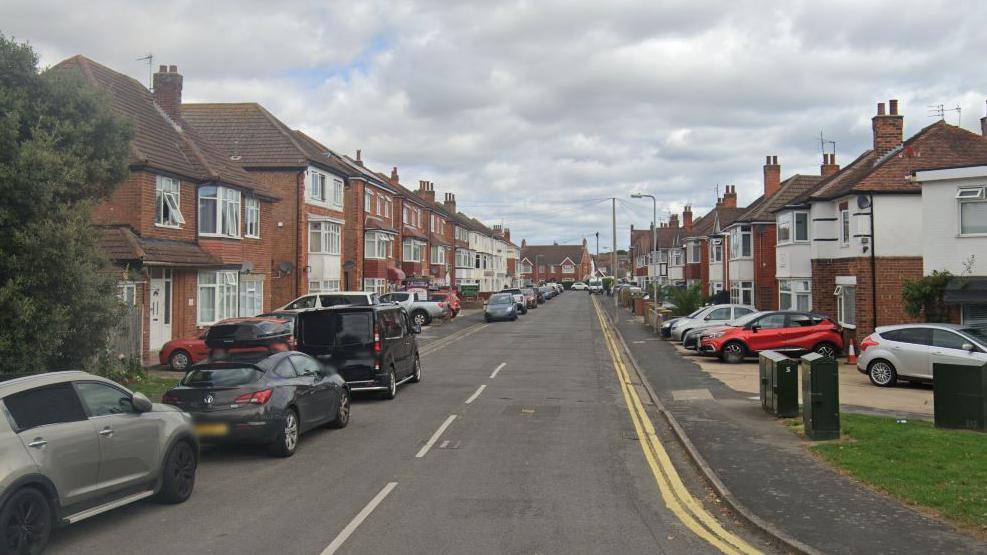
(880, 108)
(888, 129)
(172, 69)
(162, 69)
(168, 91)
(893, 107)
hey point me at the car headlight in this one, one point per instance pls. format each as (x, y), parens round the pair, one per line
(714, 335)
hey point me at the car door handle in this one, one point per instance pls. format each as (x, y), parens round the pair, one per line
(106, 432)
(38, 443)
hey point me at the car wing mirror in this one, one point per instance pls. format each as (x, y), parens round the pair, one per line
(140, 402)
(968, 347)
(755, 327)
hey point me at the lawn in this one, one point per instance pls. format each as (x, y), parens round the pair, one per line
(153, 386)
(943, 470)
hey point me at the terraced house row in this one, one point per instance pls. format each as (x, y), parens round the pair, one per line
(844, 241)
(230, 212)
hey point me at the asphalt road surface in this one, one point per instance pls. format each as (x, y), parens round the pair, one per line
(520, 439)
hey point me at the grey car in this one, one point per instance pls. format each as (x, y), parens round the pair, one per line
(75, 445)
(714, 315)
(501, 306)
(908, 351)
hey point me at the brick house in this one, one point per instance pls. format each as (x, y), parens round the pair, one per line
(190, 230)
(413, 249)
(867, 220)
(712, 267)
(555, 262)
(441, 240)
(308, 222)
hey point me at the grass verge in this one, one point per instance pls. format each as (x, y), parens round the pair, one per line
(938, 469)
(153, 386)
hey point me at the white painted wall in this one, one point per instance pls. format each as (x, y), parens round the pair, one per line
(942, 247)
(898, 222)
(741, 270)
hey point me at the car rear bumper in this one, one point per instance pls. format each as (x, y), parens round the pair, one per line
(249, 426)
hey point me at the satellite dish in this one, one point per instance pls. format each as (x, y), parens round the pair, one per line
(247, 267)
(286, 266)
(349, 265)
(863, 201)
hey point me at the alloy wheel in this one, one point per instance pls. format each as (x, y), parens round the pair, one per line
(419, 318)
(392, 386)
(184, 470)
(290, 431)
(28, 524)
(344, 409)
(179, 361)
(827, 351)
(881, 372)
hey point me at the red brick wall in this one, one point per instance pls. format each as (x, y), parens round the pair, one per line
(132, 203)
(765, 284)
(289, 185)
(704, 266)
(353, 235)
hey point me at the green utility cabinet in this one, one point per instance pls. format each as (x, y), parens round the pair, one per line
(820, 396)
(960, 395)
(779, 384)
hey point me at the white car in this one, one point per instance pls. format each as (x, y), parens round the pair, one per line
(326, 300)
(710, 315)
(595, 286)
(579, 286)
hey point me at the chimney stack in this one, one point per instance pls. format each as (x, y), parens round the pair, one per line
(983, 126)
(829, 165)
(772, 176)
(524, 243)
(450, 202)
(168, 90)
(359, 157)
(673, 221)
(426, 190)
(507, 234)
(687, 218)
(888, 128)
(395, 179)
(730, 197)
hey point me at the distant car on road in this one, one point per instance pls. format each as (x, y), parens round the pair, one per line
(579, 286)
(783, 331)
(530, 297)
(450, 297)
(595, 286)
(710, 316)
(270, 400)
(908, 351)
(500, 306)
(421, 309)
(327, 300)
(76, 445)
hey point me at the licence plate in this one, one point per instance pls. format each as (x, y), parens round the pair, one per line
(211, 430)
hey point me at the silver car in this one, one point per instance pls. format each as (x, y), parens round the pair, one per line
(75, 445)
(908, 351)
(501, 306)
(713, 315)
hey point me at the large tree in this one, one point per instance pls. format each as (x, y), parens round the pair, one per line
(61, 150)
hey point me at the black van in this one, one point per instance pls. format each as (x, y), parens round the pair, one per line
(372, 347)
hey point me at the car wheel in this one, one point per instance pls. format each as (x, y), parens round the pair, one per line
(827, 350)
(392, 386)
(287, 441)
(487, 318)
(343, 412)
(179, 360)
(26, 520)
(882, 373)
(420, 317)
(417, 376)
(178, 475)
(733, 352)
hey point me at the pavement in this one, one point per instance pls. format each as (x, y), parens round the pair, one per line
(767, 470)
(520, 439)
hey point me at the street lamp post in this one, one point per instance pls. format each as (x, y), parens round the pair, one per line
(654, 239)
(537, 269)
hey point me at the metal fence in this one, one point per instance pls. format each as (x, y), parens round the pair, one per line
(127, 336)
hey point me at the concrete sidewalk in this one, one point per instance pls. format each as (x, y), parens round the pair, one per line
(769, 472)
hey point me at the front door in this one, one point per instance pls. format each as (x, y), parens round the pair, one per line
(159, 311)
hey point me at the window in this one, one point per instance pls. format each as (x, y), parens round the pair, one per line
(304, 365)
(368, 201)
(695, 252)
(568, 269)
(719, 314)
(973, 211)
(323, 237)
(464, 258)
(676, 257)
(217, 296)
(784, 228)
(801, 227)
(716, 250)
(846, 305)
(167, 201)
(101, 399)
(742, 292)
(55, 404)
(406, 215)
(251, 217)
(947, 339)
(387, 208)
(219, 211)
(337, 192)
(844, 224)
(715, 287)
(323, 286)
(740, 242)
(525, 267)
(974, 314)
(739, 311)
(377, 245)
(127, 292)
(317, 187)
(380, 205)
(914, 336)
(462, 234)
(285, 370)
(438, 255)
(413, 250)
(375, 285)
(771, 321)
(795, 294)
(251, 296)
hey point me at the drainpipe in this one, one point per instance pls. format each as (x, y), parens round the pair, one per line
(873, 263)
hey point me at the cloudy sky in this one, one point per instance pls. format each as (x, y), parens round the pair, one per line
(536, 112)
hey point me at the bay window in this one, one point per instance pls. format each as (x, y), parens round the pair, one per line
(376, 245)
(323, 237)
(167, 201)
(716, 250)
(973, 210)
(464, 258)
(251, 217)
(695, 252)
(740, 242)
(219, 211)
(217, 296)
(795, 294)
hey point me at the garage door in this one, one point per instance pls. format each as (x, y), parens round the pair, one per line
(975, 314)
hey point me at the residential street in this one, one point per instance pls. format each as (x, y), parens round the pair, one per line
(541, 457)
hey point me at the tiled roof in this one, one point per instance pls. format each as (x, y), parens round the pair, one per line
(788, 190)
(160, 142)
(552, 255)
(121, 244)
(706, 226)
(938, 144)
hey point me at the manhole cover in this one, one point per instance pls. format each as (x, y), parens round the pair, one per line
(692, 395)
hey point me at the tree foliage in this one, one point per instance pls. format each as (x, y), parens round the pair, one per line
(686, 299)
(61, 150)
(924, 297)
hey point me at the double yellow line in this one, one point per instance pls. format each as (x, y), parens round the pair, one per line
(677, 498)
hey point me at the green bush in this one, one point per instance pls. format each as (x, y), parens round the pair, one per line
(925, 296)
(117, 367)
(686, 299)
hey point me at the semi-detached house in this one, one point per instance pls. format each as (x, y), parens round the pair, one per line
(540, 263)
(709, 232)
(190, 229)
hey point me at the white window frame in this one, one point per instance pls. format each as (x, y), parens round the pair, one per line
(844, 226)
(568, 268)
(464, 258)
(843, 294)
(324, 286)
(737, 290)
(127, 292)
(375, 285)
(337, 191)
(168, 194)
(368, 201)
(969, 196)
(251, 295)
(317, 187)
(227, 211)
(224, 290)
(716, 251)
(377, 245)
(695, 252)
(413, 250)
(324, 237)
(737, 235)
(785, 228)
(438, 255)
(251, 217)
(795, 226)
(793, 291)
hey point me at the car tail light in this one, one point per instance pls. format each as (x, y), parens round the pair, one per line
(868, 341)
(169, 398)
(377, 346)
(257, 397)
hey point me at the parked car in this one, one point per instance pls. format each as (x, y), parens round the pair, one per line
(666, 327)
(180, 353)
(579, 286)
(450, 297)
(530, 297)
(270, 400)
(500, 306)
(548, 292)
(709, 316)
(783, 331)
(519, 298)
(908, 351)
(595, 286)
(372, 347)
(539, 294)
(253, 334)
(421, 309)
(76, 445)
(326, 300)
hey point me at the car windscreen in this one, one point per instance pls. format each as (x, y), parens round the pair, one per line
(696, 313)
(328, 328)
(227, 376)
(501, 299)
(979, 333)
(340, 300)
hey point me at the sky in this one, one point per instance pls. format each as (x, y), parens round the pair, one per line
(536, 113)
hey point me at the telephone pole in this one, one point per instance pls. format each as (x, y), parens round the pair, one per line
(613, 251)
